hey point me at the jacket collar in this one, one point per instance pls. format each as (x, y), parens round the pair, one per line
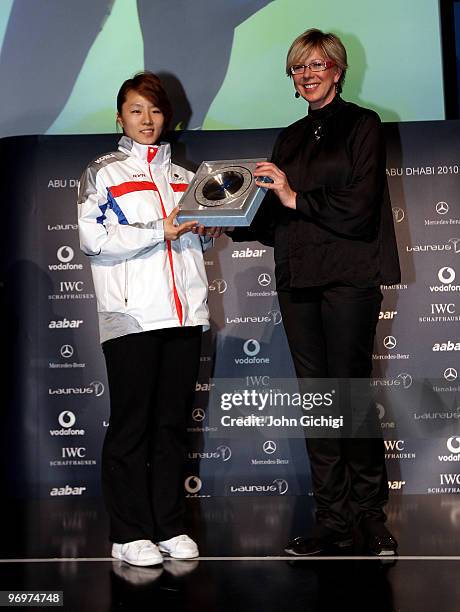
(326, 111)
(157, 155)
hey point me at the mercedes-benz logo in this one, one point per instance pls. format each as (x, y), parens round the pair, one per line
(406, 379)
(251, 347)
(282, 485)
(446, 275)
(193, 484)
(398, 214)
(219, 285)
(264, 279)
(225, 452)
(269, 447)
(65, 254)
(66, 351)
(453, 444)
(389, 342)
(450, 374)
(198, 414)
(455, 243)
(66, 419)
(442, 208)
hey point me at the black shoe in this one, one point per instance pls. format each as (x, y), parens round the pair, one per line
(332, 543)
(379, 541)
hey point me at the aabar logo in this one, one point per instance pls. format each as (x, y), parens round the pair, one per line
(65, 323)
(67, 490)
(245, 253)
(450, 345)
(387, 315)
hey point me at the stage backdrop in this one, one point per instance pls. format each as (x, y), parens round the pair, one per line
(58, 405)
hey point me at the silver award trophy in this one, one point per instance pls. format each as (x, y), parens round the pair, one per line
(222, 193)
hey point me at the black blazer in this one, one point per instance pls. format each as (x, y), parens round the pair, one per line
(342, 230)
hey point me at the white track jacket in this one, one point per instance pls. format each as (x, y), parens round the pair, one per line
(142, 281)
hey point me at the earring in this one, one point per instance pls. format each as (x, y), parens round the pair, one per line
(297, 95)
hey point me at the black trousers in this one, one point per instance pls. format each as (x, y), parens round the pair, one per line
(330, 331)
(152, 378)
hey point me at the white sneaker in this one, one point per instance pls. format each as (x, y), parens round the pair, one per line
(179, 547)
(138, 552)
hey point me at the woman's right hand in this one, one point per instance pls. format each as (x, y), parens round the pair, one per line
(173, 231)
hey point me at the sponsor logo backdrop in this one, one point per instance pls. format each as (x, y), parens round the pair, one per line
(58, 402)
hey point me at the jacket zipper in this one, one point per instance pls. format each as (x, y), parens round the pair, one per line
(177, 301)
(126, 282)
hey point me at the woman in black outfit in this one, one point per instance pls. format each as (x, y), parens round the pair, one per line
(328, 216)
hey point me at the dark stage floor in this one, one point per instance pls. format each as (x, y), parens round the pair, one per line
(62, 545)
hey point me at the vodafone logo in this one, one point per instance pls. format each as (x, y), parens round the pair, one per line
(65, 254)
(193, 485)
(446, 275)
(251, 347)
(453, 444)
(66, 419)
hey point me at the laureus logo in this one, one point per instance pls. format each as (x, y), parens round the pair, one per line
(97, 387)
(275, 316)
(225, 452)
(219, 285)
(282, 485)
(455, 242)
(398, 214)
(406, 379)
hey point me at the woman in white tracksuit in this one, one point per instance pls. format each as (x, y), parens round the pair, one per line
(151, 291)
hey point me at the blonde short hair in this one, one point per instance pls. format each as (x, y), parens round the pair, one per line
(329, 44)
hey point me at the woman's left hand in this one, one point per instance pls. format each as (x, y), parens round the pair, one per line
(211, 232)
(280, 183)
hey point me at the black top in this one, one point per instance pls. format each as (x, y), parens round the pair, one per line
(342, 230)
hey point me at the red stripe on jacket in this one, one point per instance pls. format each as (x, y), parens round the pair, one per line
(130, 187)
